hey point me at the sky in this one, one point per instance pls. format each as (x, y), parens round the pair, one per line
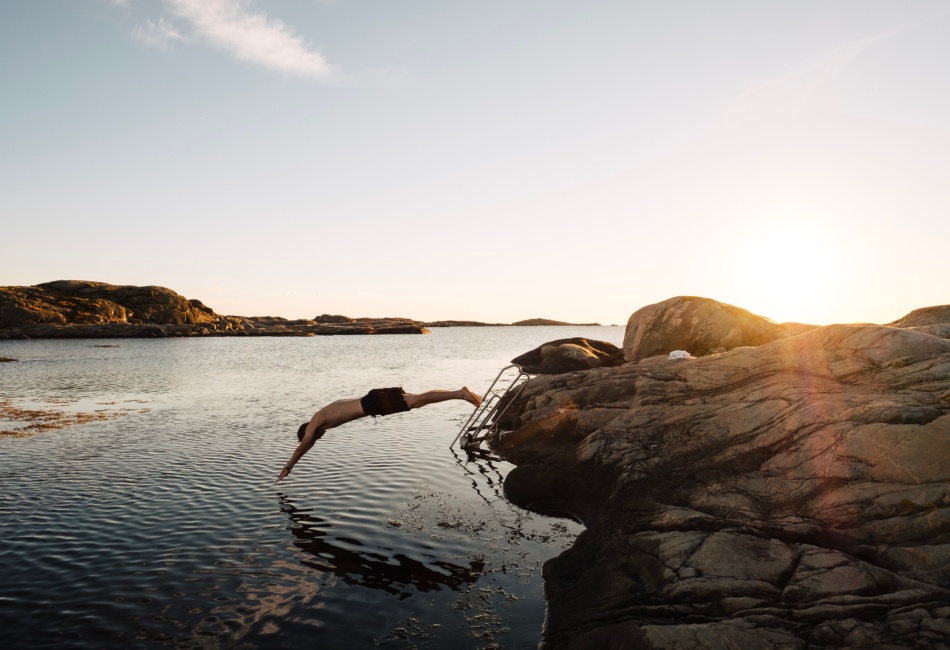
(488, 161)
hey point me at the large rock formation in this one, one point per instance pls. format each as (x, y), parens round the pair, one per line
(94, 303)
(79, 309)
(700, 326)
(791, 495)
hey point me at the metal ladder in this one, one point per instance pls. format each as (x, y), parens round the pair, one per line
(485, 419)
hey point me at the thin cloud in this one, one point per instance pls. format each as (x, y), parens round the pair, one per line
(795, 87)
(790, 91)
(250, 35)
(157, 34)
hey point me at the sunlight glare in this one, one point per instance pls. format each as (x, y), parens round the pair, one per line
(789, 270)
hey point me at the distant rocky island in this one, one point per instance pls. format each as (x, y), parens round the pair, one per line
(83, 309)
(540, 322)
(786, 487)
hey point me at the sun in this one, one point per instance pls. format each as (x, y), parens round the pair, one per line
(788, 270)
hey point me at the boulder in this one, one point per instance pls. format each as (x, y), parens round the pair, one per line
(929, 320)
(565, 355)
(700, 326)
(790, 495)
(937, 315)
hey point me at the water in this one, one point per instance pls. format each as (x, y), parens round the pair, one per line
(160, 523)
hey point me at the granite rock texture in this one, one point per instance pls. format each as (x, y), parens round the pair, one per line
(700, 326)
(929, 320)
(790, 495)
(565, 355)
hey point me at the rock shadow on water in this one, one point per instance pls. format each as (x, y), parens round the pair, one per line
(397, 574)
(488, 472)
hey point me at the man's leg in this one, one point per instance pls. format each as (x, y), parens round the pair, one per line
(433, 396)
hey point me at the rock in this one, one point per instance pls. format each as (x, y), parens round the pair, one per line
(929, 320)
(334, 319)
(77, 302)
(401, 328)
(461, 323)
(787, 495)
(699, 326)
(536, 322)
(565, 355)
(79, 309)
(14, 313)
(926, 316)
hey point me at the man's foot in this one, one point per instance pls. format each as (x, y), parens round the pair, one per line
(469, 396)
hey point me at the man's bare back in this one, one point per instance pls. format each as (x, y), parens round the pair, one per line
(376, 402)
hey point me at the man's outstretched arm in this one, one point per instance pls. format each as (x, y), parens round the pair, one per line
(309, 438)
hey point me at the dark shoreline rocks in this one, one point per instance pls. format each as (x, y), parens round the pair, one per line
(68, 309)
(795, 494)
(565, 355)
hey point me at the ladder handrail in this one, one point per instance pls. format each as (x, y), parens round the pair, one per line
(487, 411)
(484, 405)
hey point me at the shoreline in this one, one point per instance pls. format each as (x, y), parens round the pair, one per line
(67, 309)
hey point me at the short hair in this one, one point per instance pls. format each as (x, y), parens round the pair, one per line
(302, 430)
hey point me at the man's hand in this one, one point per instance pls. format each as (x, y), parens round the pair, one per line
(284, 472)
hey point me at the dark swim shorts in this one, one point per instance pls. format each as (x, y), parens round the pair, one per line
(384, 401)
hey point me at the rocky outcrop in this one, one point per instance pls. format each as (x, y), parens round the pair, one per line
(531, 322)
(929, 320)
(275, 326)
(77, 302)
(700, 326)
(79, 309)
(535, 322)
(462, 323)
(334, 319)
(790, 495)
(565, 355)
(94, 303)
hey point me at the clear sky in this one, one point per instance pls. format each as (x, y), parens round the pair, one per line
(482, 160)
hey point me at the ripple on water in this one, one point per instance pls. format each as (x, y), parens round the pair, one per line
(167, 528)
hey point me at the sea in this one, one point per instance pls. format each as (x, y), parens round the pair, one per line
(144, 512)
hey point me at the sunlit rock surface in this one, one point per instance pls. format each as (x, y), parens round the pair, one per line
(700, 326)
(930, 320)
(790, 495)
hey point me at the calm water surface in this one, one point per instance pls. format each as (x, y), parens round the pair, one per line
(163, 526)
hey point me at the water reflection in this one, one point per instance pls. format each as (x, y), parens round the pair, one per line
(397, 574)
(161, 527)
(487, 472)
